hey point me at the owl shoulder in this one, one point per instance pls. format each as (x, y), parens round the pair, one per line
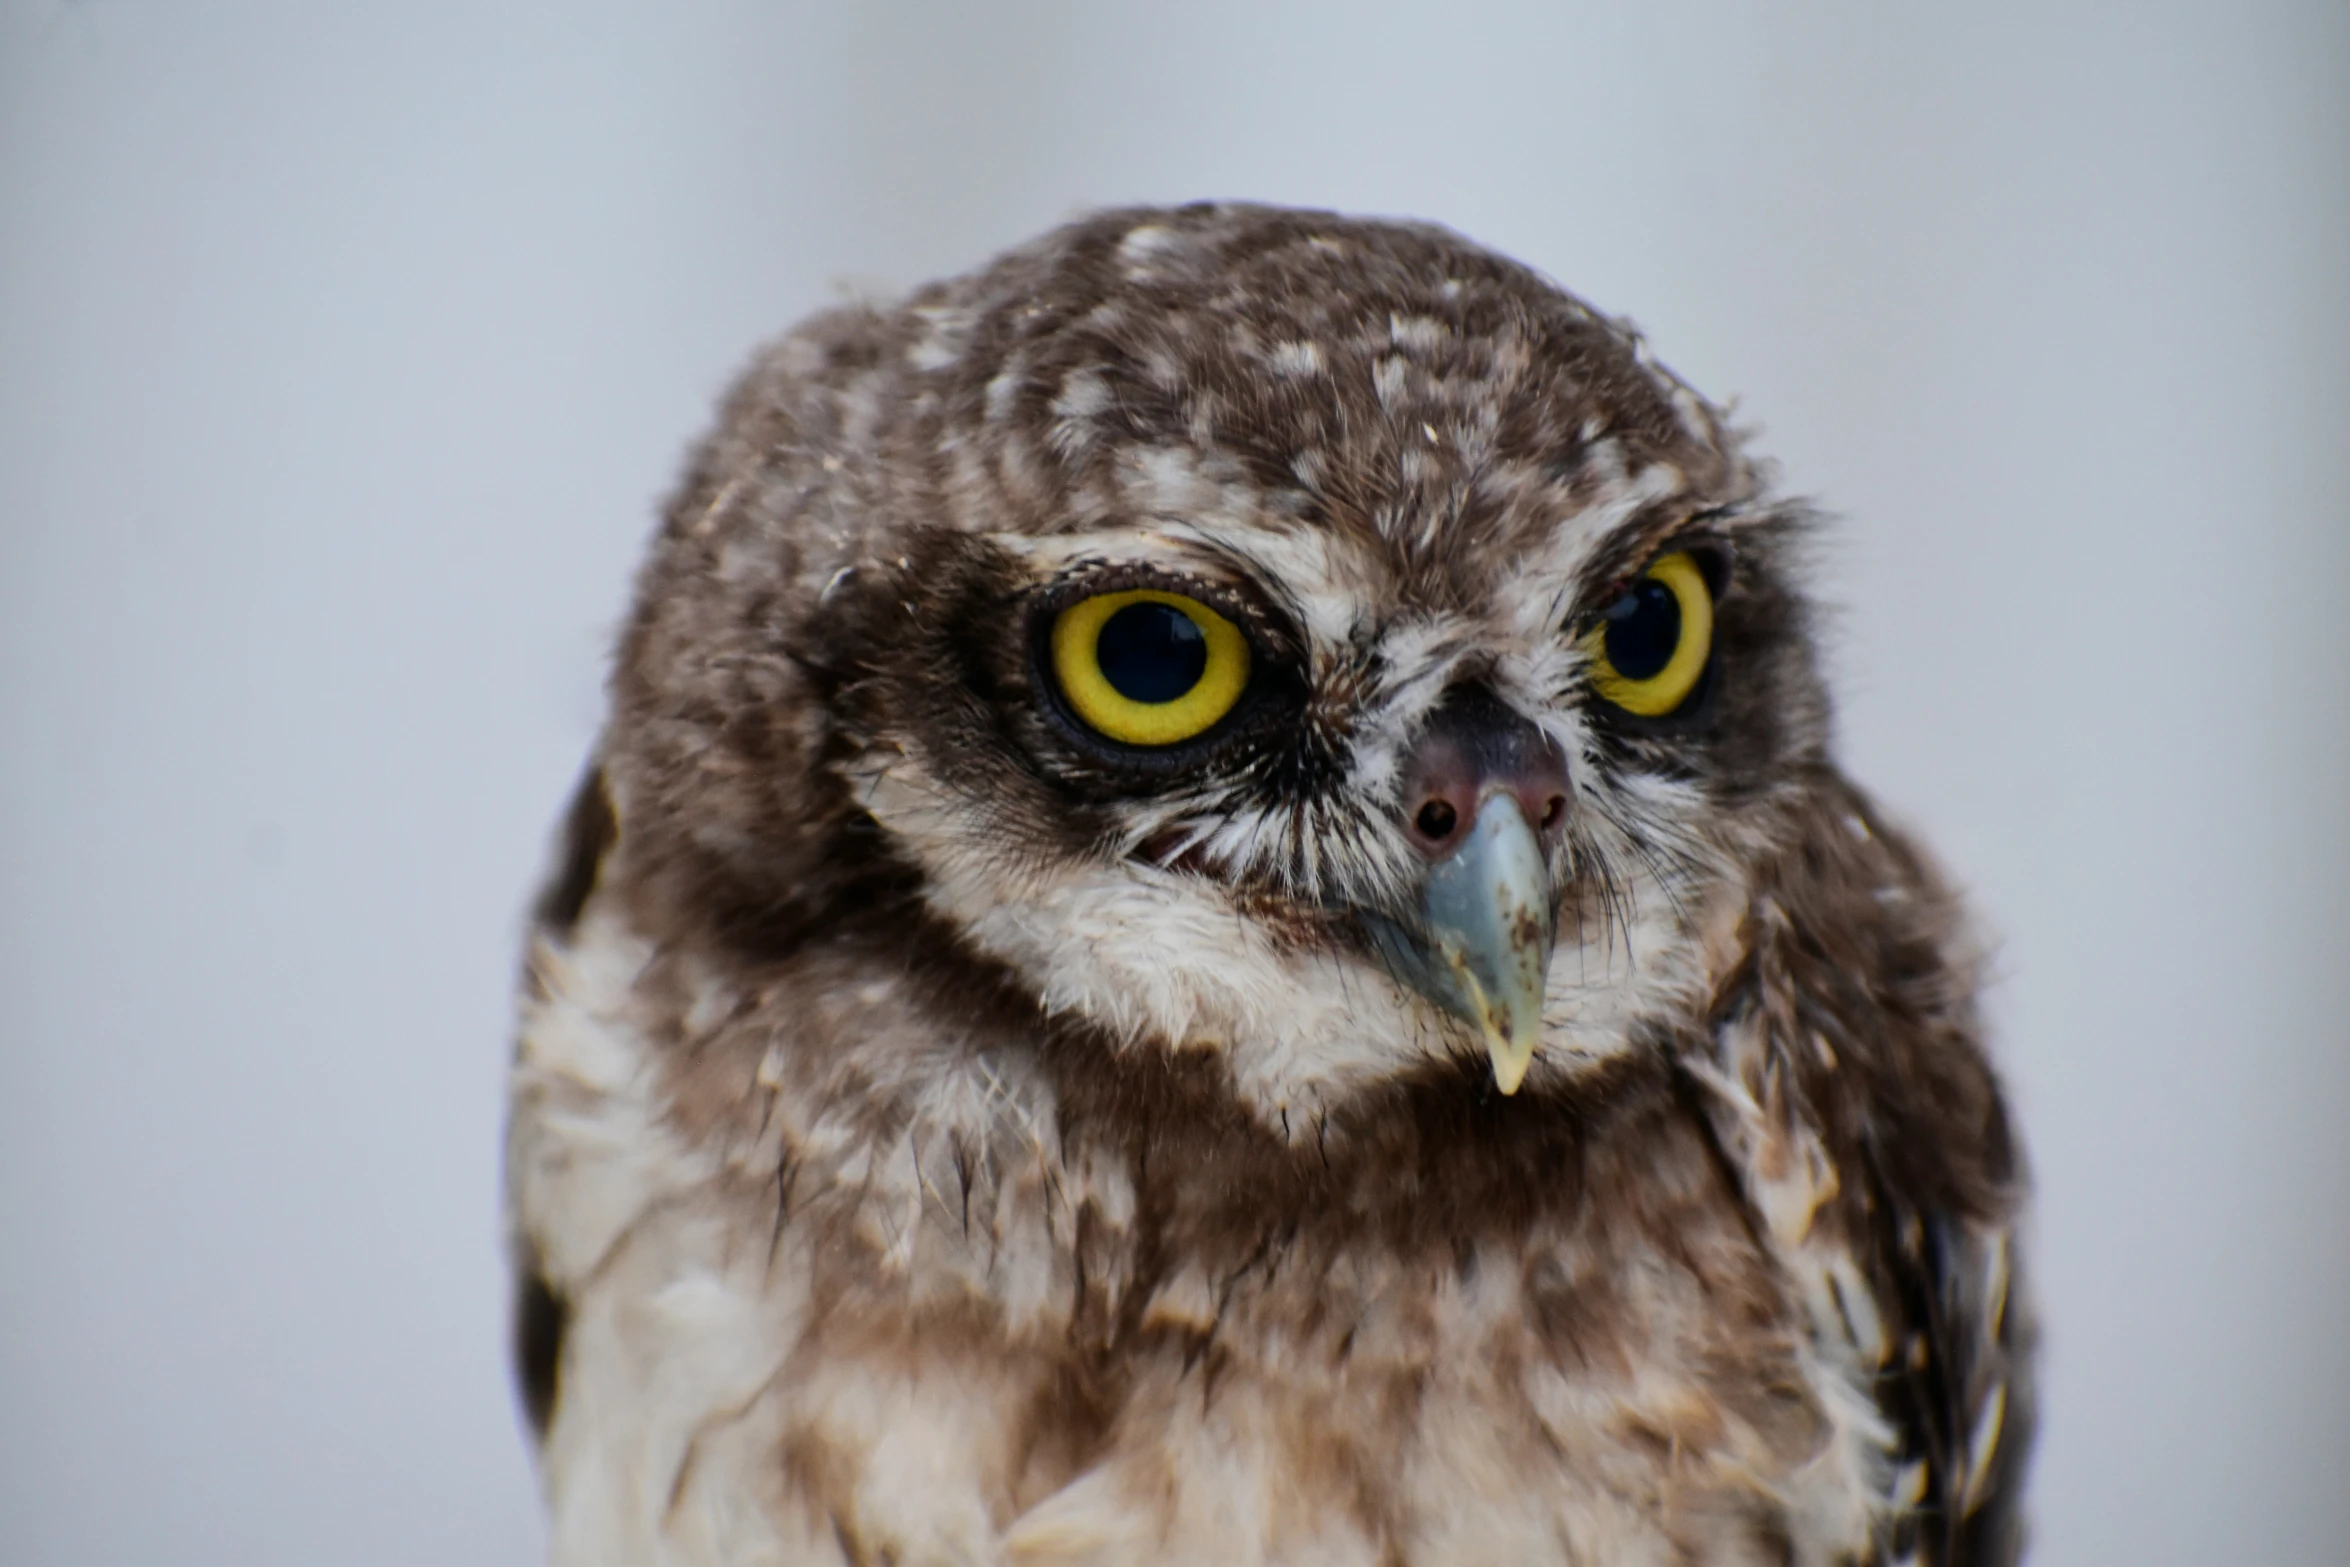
(1847, 1080)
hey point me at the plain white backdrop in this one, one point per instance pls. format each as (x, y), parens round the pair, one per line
(346, 351)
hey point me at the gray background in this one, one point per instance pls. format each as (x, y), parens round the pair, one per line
(345, 353)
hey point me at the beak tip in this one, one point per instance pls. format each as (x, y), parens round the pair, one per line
(1509, 1066)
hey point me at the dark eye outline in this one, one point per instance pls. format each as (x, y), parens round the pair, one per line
(1274, 685)
(1684, 681)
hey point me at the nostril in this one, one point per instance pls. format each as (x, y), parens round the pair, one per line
(1554, 811)
(1436, 820)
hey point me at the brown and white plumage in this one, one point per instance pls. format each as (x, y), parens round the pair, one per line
(942, 1136)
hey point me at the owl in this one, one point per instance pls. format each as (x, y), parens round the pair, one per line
(1213, 924)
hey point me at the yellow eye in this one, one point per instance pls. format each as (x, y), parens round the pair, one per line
(1148, 668)
(1650, 646)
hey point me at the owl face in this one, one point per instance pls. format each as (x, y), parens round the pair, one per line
(1320, 644)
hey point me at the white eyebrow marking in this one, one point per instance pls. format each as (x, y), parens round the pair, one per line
(1535, 597)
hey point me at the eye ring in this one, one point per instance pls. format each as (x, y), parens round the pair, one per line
(1640, 622)
(1151, 653)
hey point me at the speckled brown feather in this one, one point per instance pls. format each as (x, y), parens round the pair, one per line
(1020, 1271)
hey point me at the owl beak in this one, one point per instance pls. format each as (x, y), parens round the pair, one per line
(1484, 796)
(1487, 913)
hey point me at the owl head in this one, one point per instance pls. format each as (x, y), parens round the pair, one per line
(1317, 644)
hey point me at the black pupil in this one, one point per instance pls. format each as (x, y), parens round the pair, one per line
(1643, 628)
(1151, 652)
